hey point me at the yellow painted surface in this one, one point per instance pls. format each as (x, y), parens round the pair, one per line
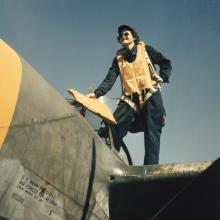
(93, 105)
(10, 80)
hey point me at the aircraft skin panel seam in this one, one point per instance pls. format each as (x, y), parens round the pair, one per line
(38, 122)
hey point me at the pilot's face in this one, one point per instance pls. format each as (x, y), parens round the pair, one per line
(126, 38)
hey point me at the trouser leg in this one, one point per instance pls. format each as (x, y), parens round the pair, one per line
(153, 112)
(124, 116)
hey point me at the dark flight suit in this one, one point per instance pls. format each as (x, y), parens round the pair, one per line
(151, 115)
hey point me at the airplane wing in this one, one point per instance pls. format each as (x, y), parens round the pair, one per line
(172, 191)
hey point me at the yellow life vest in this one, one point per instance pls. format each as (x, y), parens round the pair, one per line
(136, 76)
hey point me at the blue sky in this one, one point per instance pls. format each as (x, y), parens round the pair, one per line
(72, 44)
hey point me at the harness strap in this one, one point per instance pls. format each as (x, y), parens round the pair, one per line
(129, 102)
(142, 98)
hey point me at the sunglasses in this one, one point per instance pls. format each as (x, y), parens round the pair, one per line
(124, 34)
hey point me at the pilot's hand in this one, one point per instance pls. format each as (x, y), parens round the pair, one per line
(91, 95)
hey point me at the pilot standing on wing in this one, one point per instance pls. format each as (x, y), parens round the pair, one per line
(141, 106)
